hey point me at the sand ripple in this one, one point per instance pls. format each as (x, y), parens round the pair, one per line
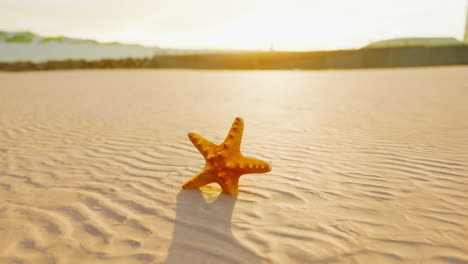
(368, 167)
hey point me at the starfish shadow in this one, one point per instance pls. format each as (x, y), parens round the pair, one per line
(202, 232)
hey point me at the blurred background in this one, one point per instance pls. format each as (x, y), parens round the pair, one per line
(232, 34)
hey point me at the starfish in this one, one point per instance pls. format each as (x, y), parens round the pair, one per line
(224, 162)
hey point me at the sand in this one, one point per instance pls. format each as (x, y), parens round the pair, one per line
(369, 166)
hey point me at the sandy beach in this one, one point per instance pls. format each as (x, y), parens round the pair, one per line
(368, 166)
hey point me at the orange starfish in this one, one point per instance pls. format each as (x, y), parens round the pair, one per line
(224, 162)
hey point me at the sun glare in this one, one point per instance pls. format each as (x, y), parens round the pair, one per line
(264, 31)
(291, 30)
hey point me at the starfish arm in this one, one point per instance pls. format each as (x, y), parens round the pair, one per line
(234, 138)
(230, 183)
(201, 143)
(204, 177)
(251, 165)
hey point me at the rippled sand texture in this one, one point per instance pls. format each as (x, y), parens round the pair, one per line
(369, 166)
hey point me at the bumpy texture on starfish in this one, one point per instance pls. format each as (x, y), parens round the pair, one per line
(224, 162)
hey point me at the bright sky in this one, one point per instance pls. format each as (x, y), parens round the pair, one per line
(244, 24)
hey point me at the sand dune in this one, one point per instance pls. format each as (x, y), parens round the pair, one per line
(368, 167)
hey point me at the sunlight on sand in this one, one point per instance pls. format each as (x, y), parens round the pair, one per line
(369, 166)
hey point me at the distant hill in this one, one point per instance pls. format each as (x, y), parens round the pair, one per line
(28, 46)
(415, 42)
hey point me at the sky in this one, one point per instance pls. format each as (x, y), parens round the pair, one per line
(238, 24)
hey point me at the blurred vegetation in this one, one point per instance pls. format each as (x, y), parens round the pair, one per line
(23, 37)
(341, 59)
(61, 39)
(56, 39)
(28, 37)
